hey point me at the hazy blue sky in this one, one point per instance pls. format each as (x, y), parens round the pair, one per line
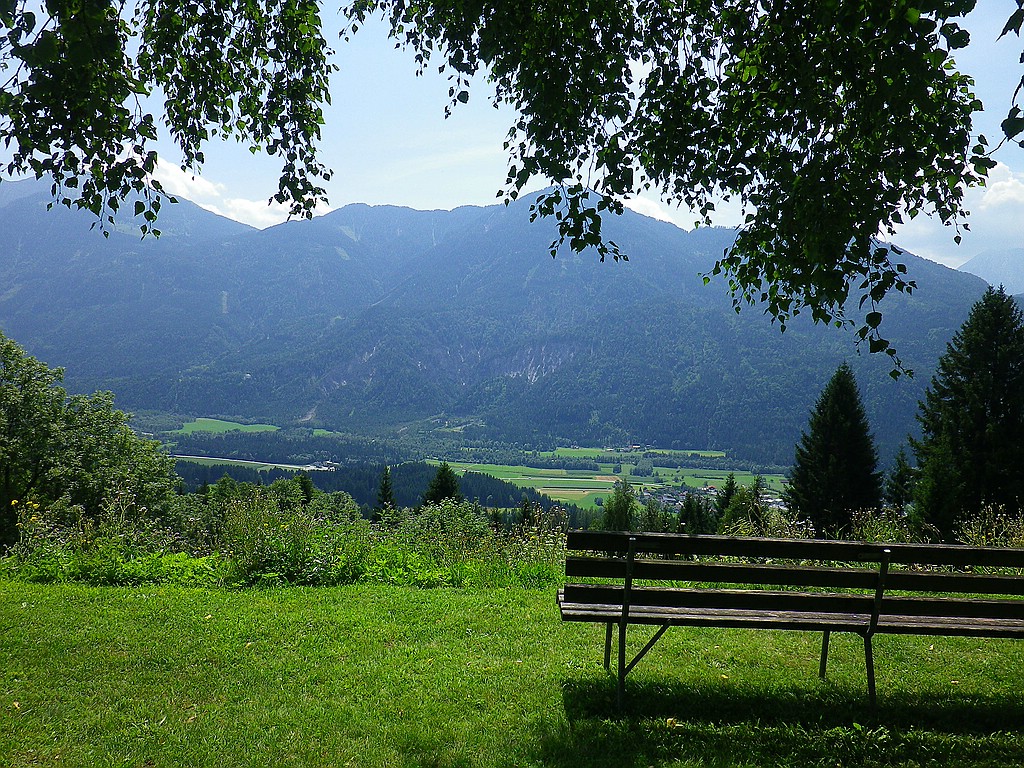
(388, 142)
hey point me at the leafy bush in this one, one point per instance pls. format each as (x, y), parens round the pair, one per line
(117, 548)
(267, 541)
(246, 535)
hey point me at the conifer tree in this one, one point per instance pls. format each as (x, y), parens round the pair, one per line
(972, 419)
(725, 494)
(445, 485)
(385, 493)
(835, 469)
(899, 483)
(698, 515)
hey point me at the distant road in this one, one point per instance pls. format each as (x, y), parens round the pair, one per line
(222, 460)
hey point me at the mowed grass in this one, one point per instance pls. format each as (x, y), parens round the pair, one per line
(219, 426)
(377, 676)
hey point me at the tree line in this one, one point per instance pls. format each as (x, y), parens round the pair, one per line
(967, 458)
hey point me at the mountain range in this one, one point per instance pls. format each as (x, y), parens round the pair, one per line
(381, 319)
(999, 267)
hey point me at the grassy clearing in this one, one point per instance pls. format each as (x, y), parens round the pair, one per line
(388, 676)
(259, 466)
(218, 426)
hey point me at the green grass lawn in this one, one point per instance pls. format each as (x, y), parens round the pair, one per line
(218, 426)
(378, 676)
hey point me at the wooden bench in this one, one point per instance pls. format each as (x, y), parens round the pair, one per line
(669, 580)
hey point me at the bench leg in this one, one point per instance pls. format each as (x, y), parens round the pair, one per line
(621, 691)
(870, 663)
(608, 646)
(824, 654)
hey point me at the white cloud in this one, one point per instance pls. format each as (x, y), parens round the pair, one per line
(256, 213)
(195, 188)
(997, 213)
(1004, 188)
(650, 208)
(212, 196)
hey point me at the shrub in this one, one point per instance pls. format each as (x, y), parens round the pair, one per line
(295, 544)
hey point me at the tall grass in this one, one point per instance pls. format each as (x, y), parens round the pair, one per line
(271, 537)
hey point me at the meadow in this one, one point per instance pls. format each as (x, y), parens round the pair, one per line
(373, 675)
(219, 426)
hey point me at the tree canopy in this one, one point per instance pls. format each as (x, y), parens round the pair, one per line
(619, 512)
(829, 122)
(77, 452)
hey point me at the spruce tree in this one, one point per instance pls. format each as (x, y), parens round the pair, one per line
(725, 494)
(445, 485)
(385, 493)
(835, 468)
(972, 419)
(899, 483)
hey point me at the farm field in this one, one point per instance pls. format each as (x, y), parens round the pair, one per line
(584, 487)
(373, 676)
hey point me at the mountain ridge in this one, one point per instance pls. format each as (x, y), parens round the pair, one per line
(377, 318)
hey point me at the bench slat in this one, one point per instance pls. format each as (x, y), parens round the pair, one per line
(953, 608)
(736, 599)
(964, 583)
(730, 573)
(796, 549)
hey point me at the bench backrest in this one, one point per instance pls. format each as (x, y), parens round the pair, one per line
(728, 567)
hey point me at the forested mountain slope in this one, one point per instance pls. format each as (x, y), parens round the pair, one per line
(375, 318)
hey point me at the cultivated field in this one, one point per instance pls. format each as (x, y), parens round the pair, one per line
(584, 487)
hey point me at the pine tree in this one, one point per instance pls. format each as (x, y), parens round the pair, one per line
(972, 419)
(445, 485)
(725, 494)
(835, 469)
(698, 515)
(385, 493)
(899, 483)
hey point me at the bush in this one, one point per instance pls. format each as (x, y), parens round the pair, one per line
(116, 549)
(295, 544)
(246, 535)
